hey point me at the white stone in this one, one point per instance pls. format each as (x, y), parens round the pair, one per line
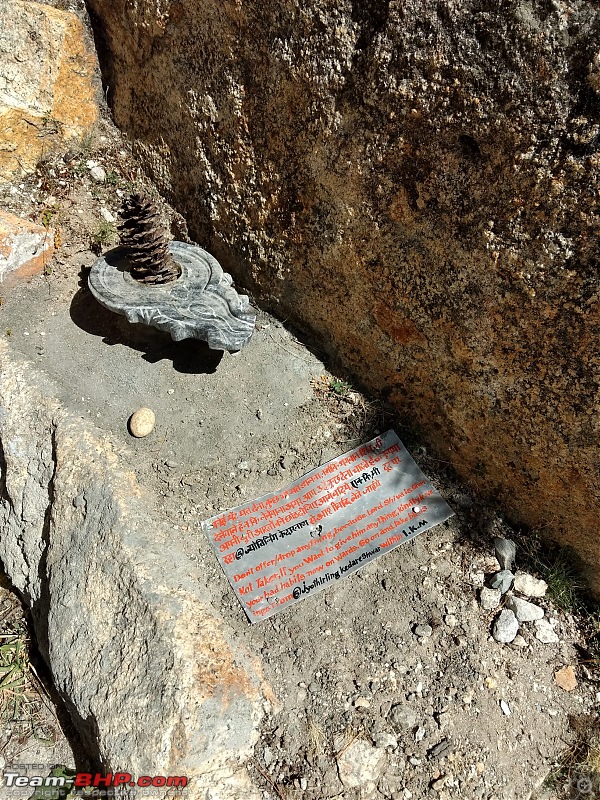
(544, 632)
(529, 586)
(522, 609)
(360, 763)
(98, 174)
(423, 630)
(142, 422)
(105, 214)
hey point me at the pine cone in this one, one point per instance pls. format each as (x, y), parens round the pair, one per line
(145, 242)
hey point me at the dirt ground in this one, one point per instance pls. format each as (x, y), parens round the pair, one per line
(368, 708)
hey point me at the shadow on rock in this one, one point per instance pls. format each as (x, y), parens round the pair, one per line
(189, 356)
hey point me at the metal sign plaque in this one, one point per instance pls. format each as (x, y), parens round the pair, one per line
(329, 523)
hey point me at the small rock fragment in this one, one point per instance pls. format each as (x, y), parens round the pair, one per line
(141, 422)
(360, 763)
(505, 552)
(522, 609)
(544, 632)
(106, 215)
(468, 697)
(451, 620)
(505, 708)
(529, 586)
(565, 678)
(98, 174)
(423, 630)
(477, 577)
(501, 580)
(490, 598)
(403, 716)
(24, 246)
(383, 740)
(268, 756)
(439, 749)
(506, 627)
(519, 641)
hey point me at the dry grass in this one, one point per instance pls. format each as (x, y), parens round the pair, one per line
(360, 417)
(577, 774)
(26, 711)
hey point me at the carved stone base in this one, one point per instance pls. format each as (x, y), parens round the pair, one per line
(200, 304)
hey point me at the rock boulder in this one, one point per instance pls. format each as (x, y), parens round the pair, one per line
(152, 678)
(416, 183)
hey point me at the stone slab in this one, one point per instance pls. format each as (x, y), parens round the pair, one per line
(152, 678)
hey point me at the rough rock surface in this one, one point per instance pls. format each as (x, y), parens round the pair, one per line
(529, 586)
(415, 182)
(24, 246)
(47, 92)
(523, 611)
(360, 763)
(505, 627)
(150, 676)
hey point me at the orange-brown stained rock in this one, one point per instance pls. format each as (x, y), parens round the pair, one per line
(400, 328)
(47, 91)
(25, 248)
(565, 678)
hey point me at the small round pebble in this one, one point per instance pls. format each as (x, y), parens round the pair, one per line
(141, 422)
(423, 630)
